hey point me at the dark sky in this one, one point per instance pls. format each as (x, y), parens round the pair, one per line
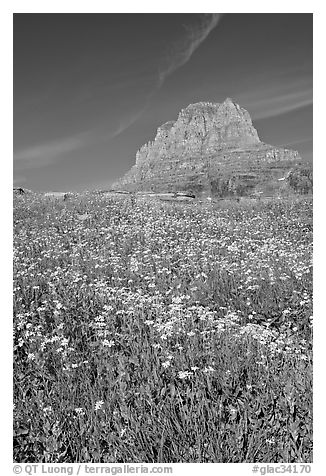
(90, 89)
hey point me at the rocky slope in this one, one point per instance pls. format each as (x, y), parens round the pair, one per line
(211, 149)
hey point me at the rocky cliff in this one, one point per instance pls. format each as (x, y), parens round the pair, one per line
(210, 149)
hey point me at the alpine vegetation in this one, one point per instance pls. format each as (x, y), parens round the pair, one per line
(153, 331)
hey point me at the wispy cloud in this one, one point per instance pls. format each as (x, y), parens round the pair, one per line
(44, 154)
(182, 51)
(282, 104)
(276, 98)
(298, 141)
(125, 123)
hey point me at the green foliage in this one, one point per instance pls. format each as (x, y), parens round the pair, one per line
(301, 180)
(162, 332)
(232, 185)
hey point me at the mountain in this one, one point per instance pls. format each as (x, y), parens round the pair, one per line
(211, 149)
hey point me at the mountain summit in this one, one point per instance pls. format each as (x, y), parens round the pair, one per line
(211, 149)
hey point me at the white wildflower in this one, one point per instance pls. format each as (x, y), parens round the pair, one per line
(166, 364)
(108, 343)
(184, 374)
(208, 369)
(99, 404)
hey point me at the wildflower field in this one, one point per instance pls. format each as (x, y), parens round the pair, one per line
(160, 332)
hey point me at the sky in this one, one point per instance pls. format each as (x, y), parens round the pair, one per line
(91, 89)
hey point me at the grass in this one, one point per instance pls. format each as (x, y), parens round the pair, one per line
(148, 332)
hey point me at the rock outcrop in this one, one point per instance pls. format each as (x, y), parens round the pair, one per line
(57, 195)
(211, 149)
(21, 191)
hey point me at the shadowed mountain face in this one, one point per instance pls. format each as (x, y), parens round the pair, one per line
(211, 149)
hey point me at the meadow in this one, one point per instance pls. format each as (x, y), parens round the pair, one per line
(160, 332)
